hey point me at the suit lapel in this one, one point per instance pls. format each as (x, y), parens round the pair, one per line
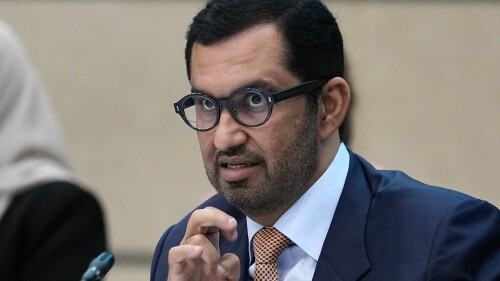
(344, 257)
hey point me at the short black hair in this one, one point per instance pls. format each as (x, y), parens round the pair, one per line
(312, 36)
(314, 41)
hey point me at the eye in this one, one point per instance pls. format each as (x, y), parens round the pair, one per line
(207, 105)
(256, 100)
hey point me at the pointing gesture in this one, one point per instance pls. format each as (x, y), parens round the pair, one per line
(198, 256)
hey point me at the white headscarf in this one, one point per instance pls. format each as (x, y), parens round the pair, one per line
(32, 148)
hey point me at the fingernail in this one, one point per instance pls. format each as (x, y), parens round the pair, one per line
(196, 248)
(231, 221)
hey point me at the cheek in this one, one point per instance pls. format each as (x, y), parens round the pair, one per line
(290, 111)
(280, 131)
(287, 116)
(206, 145)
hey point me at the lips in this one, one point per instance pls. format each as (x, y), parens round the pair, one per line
(235, 162)
(235, 168)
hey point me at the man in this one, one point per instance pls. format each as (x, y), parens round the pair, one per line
(268, 99)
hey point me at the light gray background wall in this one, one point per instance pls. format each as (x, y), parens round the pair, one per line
(425, 76)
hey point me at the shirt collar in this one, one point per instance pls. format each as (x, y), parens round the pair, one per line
(307, 221)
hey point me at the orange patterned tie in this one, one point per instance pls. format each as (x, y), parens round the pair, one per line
(268, 244)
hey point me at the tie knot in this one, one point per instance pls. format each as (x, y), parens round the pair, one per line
(268, 244)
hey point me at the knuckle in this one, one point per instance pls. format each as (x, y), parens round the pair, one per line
(197, 239)
(172, 253)
(196, 213)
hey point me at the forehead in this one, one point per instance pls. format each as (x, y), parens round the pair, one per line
(256, 54)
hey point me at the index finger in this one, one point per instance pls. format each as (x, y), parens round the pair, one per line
(209, 221)
(179, 256)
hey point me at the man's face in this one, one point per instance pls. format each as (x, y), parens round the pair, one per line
(262, 170)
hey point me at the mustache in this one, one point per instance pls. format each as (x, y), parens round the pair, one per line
(240, 151)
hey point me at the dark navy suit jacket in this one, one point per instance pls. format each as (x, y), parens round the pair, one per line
(387, 227)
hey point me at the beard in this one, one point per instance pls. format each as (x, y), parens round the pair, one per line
(285, 177)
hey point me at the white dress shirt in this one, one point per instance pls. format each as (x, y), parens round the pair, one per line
(307, 221)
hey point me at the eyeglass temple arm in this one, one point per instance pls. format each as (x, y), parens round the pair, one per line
(187, 103)
(304, 89)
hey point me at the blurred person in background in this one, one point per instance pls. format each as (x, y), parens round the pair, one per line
(50, 228)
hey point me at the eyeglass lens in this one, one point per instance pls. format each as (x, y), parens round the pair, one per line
(201, 112)
(248, 106)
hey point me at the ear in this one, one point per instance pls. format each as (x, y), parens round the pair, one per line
(333, 104)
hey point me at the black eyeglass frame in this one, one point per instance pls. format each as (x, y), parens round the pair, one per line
(271, 99)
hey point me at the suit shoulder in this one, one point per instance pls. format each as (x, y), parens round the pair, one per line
(397, 186)
(400, 198)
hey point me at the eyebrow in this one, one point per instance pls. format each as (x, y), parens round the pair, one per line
(263, 84)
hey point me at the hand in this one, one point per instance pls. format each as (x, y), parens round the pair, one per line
(198, 256)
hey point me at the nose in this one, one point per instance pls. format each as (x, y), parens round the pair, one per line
(228, 133)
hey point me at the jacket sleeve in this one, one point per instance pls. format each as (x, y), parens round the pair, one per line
(158, 252)
(171, 238)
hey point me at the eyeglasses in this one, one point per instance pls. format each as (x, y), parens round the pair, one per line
(249, 107)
